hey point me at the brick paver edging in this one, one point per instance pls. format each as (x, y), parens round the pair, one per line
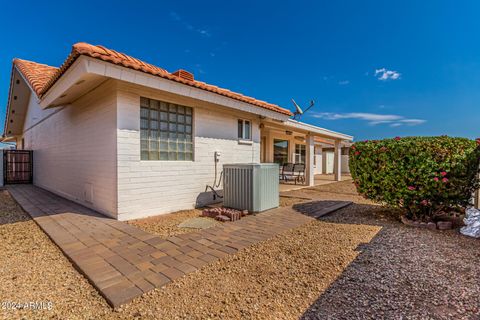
(123, 262)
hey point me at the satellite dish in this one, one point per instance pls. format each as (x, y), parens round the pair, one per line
(298, 111)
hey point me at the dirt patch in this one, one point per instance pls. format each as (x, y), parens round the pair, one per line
(166, 225)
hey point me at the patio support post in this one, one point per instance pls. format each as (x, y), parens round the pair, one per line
(337, 161)
(310, 146)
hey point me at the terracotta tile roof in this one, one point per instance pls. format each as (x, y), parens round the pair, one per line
(37, 75)
(42, 77)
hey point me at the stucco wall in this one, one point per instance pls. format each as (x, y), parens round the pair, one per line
(156, 187)
(75, 150)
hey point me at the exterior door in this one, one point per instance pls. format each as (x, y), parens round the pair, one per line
(329, 164)
(17, 166)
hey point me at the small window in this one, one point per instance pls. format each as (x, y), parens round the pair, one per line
(244, 130)
(165, 131)
(300, 153)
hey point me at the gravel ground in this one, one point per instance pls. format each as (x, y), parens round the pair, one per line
(243, 285)
(403, 273)
(290, 201)
(344, 190)
(276, 279)
(358, 263)
(167, 225)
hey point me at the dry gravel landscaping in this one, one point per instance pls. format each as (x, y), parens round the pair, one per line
(358, 263)
(167, 225)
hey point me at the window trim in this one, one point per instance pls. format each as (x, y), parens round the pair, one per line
(242, 139)
(192, 133)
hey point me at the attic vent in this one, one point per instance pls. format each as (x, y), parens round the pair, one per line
(183, 74)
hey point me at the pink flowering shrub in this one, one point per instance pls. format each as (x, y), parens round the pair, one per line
(421, 175)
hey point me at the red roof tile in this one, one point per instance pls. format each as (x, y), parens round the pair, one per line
(42, 77)
(37, 75)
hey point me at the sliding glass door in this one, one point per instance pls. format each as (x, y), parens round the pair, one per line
(280, 151)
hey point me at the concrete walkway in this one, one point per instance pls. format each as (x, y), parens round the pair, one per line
(121, 261)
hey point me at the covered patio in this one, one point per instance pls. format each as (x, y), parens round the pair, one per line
(296, 142)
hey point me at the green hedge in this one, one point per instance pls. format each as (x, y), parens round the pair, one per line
(422, 175)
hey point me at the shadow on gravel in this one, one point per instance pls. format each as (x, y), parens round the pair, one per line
(402, 272)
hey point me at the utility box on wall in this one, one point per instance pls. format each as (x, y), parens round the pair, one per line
(251, 186)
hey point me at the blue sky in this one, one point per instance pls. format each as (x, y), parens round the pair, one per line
(375, 68)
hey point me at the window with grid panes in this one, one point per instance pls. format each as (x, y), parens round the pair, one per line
(165, 131)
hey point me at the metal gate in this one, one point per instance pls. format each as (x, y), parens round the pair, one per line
(17, 166)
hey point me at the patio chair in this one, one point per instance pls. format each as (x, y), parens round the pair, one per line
(287, 171)
(299, 172)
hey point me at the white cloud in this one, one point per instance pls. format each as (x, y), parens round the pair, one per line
(343, 82)
(357, 115)
(204, 32)
(176, 17)
(412, 122)
(372, 118)
(383, 74)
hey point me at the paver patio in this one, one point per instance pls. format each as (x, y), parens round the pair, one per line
(123, 262)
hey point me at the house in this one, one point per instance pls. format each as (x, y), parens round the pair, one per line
(130, 139)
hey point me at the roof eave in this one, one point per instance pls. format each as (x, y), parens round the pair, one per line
(319, 130)
(10, 89)
(85, 65)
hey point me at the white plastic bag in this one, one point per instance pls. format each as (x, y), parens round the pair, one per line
(472, 223)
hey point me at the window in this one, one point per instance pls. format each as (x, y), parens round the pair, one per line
(165, 131)
(300, 153)
(280, 151)
(244, 130)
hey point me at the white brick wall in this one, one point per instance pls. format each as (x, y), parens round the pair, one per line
(75, 148)
(156, 187)
(89, 152)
